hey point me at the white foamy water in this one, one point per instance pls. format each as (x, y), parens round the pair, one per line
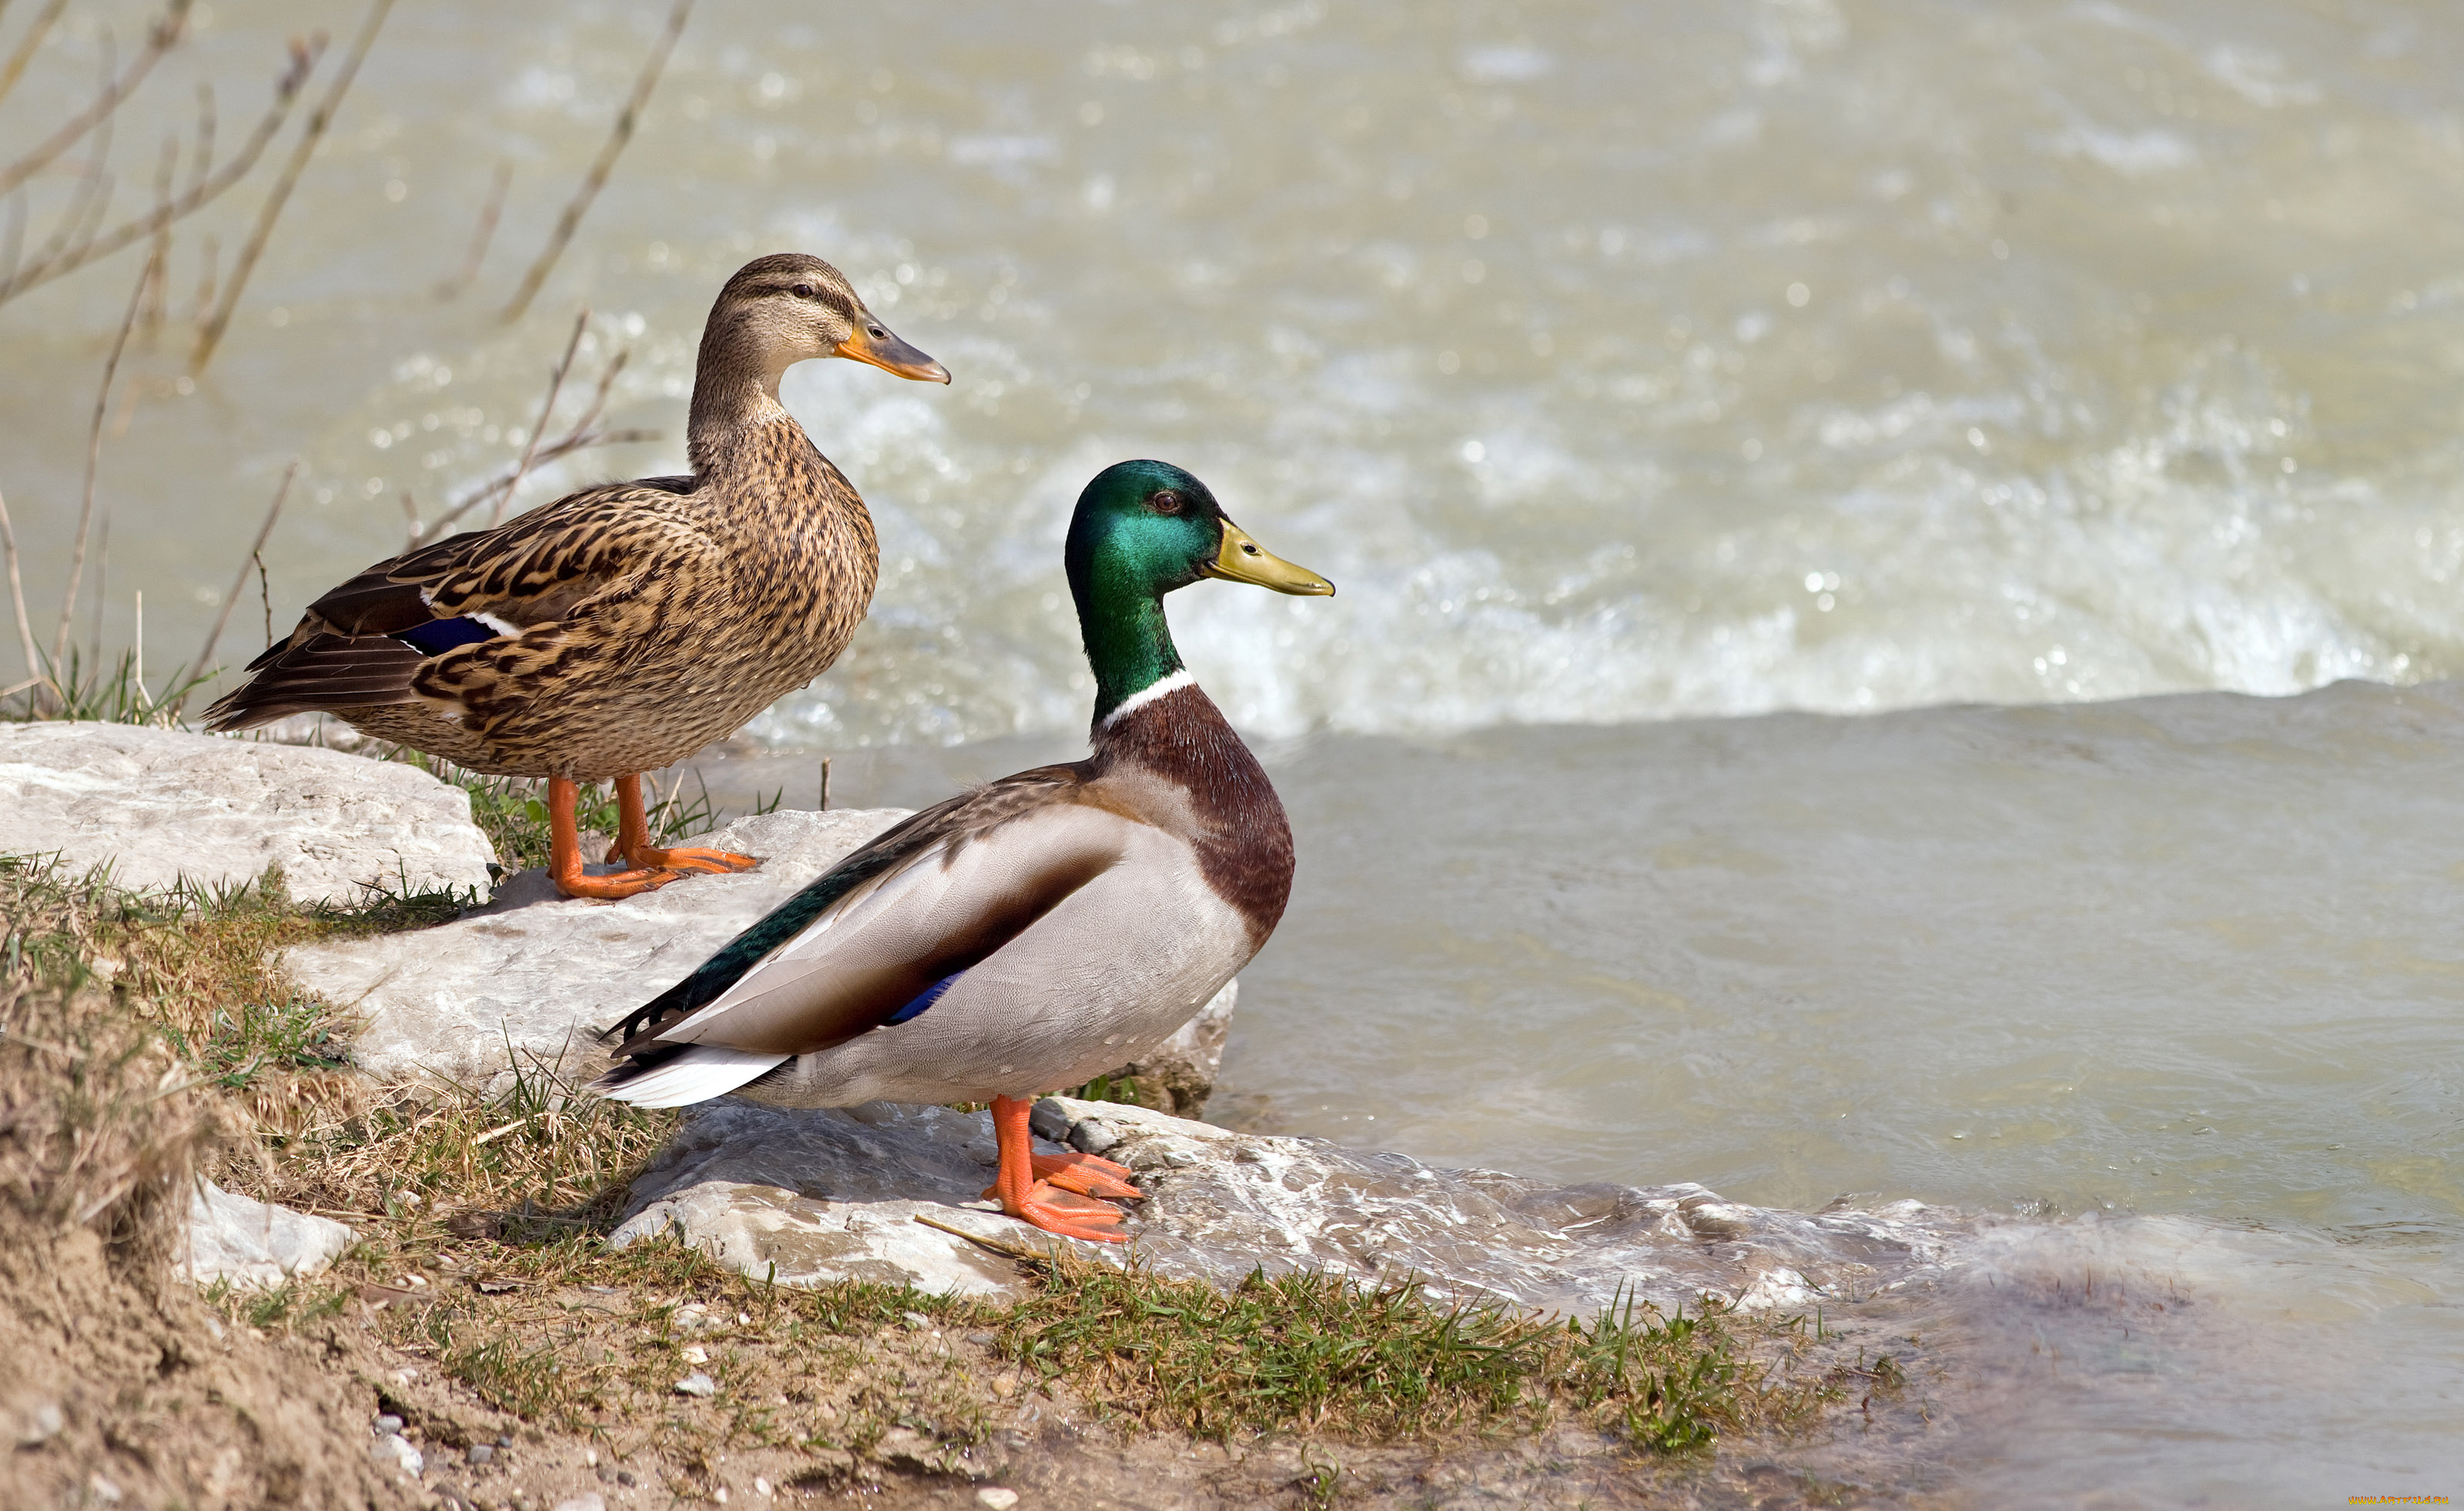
(1619, 362)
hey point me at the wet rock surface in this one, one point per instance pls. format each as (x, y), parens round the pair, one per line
(834, 1194)
(254, 1244)
(161, 805)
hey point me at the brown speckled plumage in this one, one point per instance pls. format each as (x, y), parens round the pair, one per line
(636, 622)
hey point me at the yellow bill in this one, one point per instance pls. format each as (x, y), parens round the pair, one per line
(1243, 560)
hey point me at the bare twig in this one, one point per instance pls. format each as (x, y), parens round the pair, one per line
(573, 443)
(567, 220)
(485, 233)
(102, 587)
(15, 67)
(163, 36)
(157, 301)
(555, 386)
(206, 652)
(318, 120)
(206, 258)
(62, 256)
(16, 235)
(204, 158)
(91, 188)
(17, 597)
(93, 461)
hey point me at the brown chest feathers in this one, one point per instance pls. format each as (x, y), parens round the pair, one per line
(1230, 812)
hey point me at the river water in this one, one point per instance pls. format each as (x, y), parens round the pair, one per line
(1641, 373)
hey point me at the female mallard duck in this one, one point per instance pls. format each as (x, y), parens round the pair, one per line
(1037, 931)
(623, 628)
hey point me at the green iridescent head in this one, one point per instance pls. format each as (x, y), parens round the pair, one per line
(1142, 529)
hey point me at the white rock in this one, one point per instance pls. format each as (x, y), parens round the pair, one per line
(253, 1243)
(159, 805)
(589, 1501)
(812, 1197)
(540, 973)
(395, 1450)
(697, 1384)
(995, 1498)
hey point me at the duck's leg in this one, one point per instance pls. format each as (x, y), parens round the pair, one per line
(564, 853)
(634, 839)
(1037, 1202)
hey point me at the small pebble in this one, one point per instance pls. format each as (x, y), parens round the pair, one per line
(697, 1384)
(917, 1321)
(482, 1453)
(761, 1486)
(589, 1501)
(591, 1457)
(996, 1499)
(721, 1496)
(697, 1354)
(387, 1425)
(396, 1449)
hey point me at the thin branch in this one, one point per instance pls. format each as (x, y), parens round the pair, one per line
(90, 187)
(17, 596)
(12, 69)
(58, 258)
(206, 258)
(206, 653)
(206, 120)
(163, 37)
(486, 231)
(16, 236)
(157, 301)
(102, 587)
(555, 386)
(597, 178)
(94, 460)
(318, 121)
(503, 480)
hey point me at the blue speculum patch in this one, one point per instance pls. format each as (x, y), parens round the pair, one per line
(440, 636)
(923, 999)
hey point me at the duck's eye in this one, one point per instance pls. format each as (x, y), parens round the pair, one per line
(803, 291)
(876, 333)
(1165, 501)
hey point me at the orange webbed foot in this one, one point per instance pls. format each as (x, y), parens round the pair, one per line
(1086, 1173)
(687, 858)
(1069, 1214)
(618, 884)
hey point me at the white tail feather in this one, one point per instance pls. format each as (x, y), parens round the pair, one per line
(698, 1075)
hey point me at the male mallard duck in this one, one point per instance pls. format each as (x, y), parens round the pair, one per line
(623, 628)
(1037, 931)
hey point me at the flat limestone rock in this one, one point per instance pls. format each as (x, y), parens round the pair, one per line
(537, 973)
(254, 1244)
(812, 1197)
(160, 805)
